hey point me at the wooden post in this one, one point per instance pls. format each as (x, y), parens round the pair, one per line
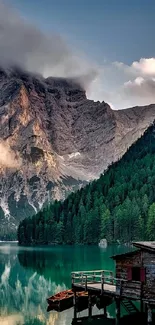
(141, 299)
(149, 314)
(111, 277)
(86, 283)
(74, 303)
(118, 310)
(89, 306)
(105, 311)
(73, 278)
(121, 287)
(102, 282)
(141, 306)
(82, 278)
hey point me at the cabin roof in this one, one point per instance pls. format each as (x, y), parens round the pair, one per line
(141, 245)
(146, 245)
(121, 256)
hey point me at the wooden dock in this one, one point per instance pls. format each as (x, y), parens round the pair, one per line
(103, 284)
(95, 281)
(134, 280)
(107, 288)
(100, 283)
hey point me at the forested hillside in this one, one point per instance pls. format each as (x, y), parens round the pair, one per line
(119, 206)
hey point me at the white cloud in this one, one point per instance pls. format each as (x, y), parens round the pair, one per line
(24, 45)
(141, 88)
(123, 85)
(145, 66)
(117, 83)
(138, 81)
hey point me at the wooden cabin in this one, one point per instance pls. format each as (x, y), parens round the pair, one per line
(135, 273)
(134, 279)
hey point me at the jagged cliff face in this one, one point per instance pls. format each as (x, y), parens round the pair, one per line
(53, 140)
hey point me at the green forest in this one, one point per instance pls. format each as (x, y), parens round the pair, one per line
(119, 206)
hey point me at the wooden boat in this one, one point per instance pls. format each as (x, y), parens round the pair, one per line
(61, 300)
(65, 299)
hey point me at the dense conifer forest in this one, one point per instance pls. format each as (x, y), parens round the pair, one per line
(119, 206)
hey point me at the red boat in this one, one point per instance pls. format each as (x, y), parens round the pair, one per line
(61, 300)
(64, 300)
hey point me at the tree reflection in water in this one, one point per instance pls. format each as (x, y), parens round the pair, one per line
(23, 294)
(29, 275)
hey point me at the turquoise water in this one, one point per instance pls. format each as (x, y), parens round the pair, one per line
(29, 275)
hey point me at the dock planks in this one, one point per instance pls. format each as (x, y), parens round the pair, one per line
(108, 288)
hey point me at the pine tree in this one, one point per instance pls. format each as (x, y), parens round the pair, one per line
(151, 222)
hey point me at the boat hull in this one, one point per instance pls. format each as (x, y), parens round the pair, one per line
(62, 300)
(65, 300)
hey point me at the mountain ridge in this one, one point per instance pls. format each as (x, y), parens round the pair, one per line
(119, 206)
(56, 140)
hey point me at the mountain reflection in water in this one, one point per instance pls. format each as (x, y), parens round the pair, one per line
(29, 275)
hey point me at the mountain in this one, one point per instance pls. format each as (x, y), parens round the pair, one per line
(119, 206)
(53, 140)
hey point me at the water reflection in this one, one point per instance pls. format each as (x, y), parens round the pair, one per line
(28, 300)
(23, 294)
(28, 276)
(57, 263)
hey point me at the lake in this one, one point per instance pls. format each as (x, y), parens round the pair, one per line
(29, 275)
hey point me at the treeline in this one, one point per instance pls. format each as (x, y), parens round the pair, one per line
(6, 234)
(119, 206)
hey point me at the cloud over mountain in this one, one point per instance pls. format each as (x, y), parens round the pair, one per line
(141, 87)
(125, 85)
(24, 45)
(8, 158)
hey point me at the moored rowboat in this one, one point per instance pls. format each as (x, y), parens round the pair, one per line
(65, 299)
(61, 299)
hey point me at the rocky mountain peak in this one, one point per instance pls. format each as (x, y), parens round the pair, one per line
(53, 139)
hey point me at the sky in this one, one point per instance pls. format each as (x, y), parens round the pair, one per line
(109, 42)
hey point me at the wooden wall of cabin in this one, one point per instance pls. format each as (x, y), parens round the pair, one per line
(149, 284)
(123, 264)
(130, 288)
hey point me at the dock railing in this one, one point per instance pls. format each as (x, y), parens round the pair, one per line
(105, 281)
(86, 278)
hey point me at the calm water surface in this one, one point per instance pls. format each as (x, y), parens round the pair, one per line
(29, 275)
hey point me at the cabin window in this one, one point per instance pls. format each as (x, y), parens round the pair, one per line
(136, 274)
